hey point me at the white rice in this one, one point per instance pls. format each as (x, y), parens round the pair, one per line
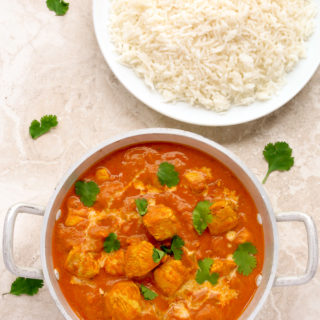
(212, 53)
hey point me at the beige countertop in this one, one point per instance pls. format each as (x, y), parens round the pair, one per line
(52, 64)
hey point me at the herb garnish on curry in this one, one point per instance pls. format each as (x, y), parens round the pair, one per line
(158, 231)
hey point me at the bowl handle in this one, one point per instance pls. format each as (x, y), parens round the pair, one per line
(8, 232)
(312, 249)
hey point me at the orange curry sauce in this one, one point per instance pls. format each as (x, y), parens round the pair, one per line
(131, 173)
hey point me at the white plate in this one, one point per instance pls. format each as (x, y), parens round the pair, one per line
(295, 81)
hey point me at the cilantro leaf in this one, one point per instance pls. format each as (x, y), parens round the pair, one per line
(278, 156)
(37, 129)
(58, 6)
(87, 191)
(157, 255)
(26, 286)
(244, 258)
(201, 216)
(176, 245)
(175, 248)
(167, 250)
(111, 243)
(142, 206)
(203, 273)
(167, 174)
(147, 293)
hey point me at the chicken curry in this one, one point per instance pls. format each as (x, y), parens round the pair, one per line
(158, 231)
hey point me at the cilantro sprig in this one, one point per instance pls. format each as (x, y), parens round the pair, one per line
(111, 243)
(87, 191)
(203, 273)
(165, 249)
(25, 286)
(157, 255)
(147, 293)
(175, 248)
(37, 128)
(167, 174)
(202, 216)
(278, 156)
(245, 259)
(142, 206)
(58, 6)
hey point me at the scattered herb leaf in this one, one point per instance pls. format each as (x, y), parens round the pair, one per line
(37, 128)
(176, 245)
(202, 216)
(244, 258)
(26, 286)
(142, 206)
(167, 174)
(157, 255)
(87, 191)
(278, 156)
(147, 293)
(58, 6)
(111, 243)
(203, 273)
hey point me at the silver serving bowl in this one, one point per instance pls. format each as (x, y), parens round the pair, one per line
(268, 278)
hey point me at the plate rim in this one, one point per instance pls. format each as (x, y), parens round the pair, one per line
(282, 100)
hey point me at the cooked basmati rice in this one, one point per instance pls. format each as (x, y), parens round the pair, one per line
(212, 53)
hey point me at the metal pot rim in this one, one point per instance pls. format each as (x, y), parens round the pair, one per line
(160, 131)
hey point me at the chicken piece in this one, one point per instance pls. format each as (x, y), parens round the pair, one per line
(161, 222)
(76, 207)
(139, 156)
(199, 294)
(177, 311)
(73, 220)
(225, 217)
(150, 177)
(114, 263)
(102, 174)
(82, 264)
(139, 260)
(170, 276)
(224, 293)
(99, 232)
(135, 239)
(123, 301)
(103, 222)
(230, 195)
(231, 235)
(108, 191)
(83, 282)
(91, 245)
(146, 188)
(139, 185)
(223, 266)
(243, 236)
(77, 212)
(198, 178)
(210, 311)
(72, 236)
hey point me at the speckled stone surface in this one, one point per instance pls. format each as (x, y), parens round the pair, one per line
(52, 64)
